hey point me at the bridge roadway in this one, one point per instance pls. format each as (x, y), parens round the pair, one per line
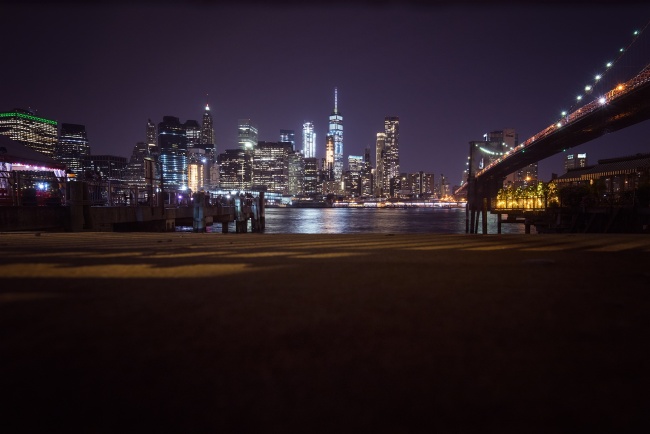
(189, 332)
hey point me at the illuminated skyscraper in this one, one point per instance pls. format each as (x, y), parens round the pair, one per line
(391, 128)
(193, 134)
(207, 130)
(235, 169)
(247, 135)
(73, 147)
(296, 173)
(381, 179)
(387, 154)
(336, 131)
(366, 174)
(172, 142)
(36, 133)
(271, 166)
(152, 134)
(353, 179)
(311, 177)
(308, 140)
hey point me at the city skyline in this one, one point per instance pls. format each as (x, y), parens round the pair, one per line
(450, 73)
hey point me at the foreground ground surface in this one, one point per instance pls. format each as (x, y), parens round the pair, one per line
(182, 332)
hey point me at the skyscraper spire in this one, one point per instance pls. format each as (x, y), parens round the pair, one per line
(336, 131)
(336, 100)
(207, 106)
(207, 128)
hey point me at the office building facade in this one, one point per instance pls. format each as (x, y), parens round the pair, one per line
(34, 132)
(308, 140)
(72, 148)
(172, 143)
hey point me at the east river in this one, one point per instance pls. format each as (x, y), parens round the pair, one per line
(368, 220)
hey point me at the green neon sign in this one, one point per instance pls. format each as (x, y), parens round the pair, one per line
(26, 116)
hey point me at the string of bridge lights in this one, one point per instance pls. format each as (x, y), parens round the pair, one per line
(589, 88)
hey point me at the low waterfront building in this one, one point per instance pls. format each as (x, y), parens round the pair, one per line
(613, 174)
(28, 177)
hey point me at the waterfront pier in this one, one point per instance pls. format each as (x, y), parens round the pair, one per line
(79, 214)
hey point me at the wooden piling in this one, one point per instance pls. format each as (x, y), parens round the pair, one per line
(472, 222)
(484, 216)
(262, 214)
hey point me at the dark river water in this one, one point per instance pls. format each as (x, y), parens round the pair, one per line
(368, 220)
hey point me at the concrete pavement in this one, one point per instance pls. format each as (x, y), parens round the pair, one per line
(183, 332)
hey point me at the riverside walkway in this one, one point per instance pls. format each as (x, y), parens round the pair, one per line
(264, 333)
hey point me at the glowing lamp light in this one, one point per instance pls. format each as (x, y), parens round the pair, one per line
(621, 50)
(559, 124)
(636, 32)
(620, 87)
(609, 64)
(598, 77)
(602, 100)
(579, 97)
(587, 88)
(41, 186)
(564, 113)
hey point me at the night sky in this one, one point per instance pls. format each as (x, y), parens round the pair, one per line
(450, 71)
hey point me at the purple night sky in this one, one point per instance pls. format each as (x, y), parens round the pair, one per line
(450, 71)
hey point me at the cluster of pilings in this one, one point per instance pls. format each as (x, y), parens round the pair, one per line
(479, 195)
(250, 208)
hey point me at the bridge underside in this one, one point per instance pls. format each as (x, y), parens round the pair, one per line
(624, 111)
